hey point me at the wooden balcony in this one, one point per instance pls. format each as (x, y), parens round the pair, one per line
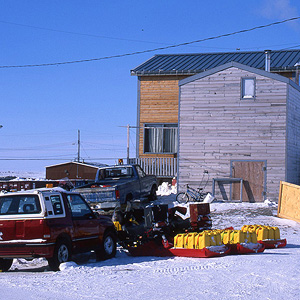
(162, 167)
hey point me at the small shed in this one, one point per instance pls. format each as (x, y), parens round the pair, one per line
(72, 170)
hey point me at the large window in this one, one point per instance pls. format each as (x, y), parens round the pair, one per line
(160, 138)
(22, 204)
(248, 88)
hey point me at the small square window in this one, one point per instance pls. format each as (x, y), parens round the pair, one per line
(248, 88)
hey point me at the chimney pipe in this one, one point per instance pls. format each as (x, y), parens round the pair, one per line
(268, 60)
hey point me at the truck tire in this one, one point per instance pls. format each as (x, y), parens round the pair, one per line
(108, 246)
(62, 253)
(152, 195)
(5, 264)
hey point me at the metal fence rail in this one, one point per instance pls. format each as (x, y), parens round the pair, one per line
(159, 166)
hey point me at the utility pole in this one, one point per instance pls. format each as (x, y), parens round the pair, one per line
(78, 143)
(128, 132)
(128, 139)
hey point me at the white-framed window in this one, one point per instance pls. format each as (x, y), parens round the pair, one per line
(248, 88)
(160, 138)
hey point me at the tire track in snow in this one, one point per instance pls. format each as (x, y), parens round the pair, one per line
(176, 270)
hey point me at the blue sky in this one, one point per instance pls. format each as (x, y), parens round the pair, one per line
(43, 107)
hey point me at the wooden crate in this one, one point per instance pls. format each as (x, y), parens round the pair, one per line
(289, 201)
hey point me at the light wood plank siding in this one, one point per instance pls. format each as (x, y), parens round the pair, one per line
(158, 104)
(216, 127)
(293, 136)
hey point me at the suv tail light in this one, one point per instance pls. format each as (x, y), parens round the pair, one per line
(117, 194)
(46, 229)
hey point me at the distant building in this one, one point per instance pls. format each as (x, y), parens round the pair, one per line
(73, 171)
(25, 184)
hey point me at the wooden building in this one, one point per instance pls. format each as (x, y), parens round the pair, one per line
(158, 94)
(72, 170)
(239, 122)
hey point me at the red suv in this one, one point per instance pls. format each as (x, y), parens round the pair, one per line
(51, 223)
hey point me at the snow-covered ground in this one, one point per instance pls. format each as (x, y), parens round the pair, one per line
(23, 175)
(274, 274)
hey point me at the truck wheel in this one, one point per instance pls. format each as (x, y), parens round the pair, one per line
(62, 253)
(152, 195)
(5, 264)
(108, 246)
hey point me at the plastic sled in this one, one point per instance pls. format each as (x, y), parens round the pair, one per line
(271, 244)
(247, 248)
(205, 252)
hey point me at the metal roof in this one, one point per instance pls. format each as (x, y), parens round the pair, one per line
(189, 64)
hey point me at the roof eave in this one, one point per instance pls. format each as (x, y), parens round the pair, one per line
(193, 72)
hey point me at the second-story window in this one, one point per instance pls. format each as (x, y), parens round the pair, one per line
(160, 138)
(248, 88)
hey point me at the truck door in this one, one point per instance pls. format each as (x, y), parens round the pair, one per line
(86, 225)
(144, 181)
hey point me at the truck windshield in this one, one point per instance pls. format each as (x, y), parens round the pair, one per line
(20, 204)
(118, 172)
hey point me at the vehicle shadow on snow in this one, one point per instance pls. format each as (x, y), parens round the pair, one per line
(121, 258)
(292, 246)
(85, 260)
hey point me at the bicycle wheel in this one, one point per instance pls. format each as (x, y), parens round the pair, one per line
(182, 197)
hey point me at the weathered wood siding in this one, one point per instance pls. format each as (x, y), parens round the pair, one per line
(293, 136)
(158, 103)
(216, 127)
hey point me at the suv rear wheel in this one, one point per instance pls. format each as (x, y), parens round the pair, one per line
(5, 264)
(62, 253)
(108, 247)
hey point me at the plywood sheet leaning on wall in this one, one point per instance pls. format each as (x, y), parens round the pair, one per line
(289, 201)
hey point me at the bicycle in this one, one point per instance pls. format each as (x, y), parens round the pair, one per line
(191, 194)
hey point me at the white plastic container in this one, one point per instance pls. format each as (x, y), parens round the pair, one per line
(209, 198)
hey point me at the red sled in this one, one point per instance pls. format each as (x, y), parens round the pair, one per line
(203, 253)
(247, 249)
(151, 248)
(271, 244)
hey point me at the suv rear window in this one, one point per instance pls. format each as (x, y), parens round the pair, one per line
(21, 204)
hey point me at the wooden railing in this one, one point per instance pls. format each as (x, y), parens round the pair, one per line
(159, 166)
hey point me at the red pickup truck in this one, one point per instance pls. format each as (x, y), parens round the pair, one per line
(54, 224)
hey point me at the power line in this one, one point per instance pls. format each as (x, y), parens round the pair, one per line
(82, 34)
(152, 50)
(54, 158)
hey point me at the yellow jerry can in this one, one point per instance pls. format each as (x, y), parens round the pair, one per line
(262, 233)
(225, 236)
(276, 233)
(189, 240)
(237, 237)
(202, 240)
(215, 238)
(179, 240)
